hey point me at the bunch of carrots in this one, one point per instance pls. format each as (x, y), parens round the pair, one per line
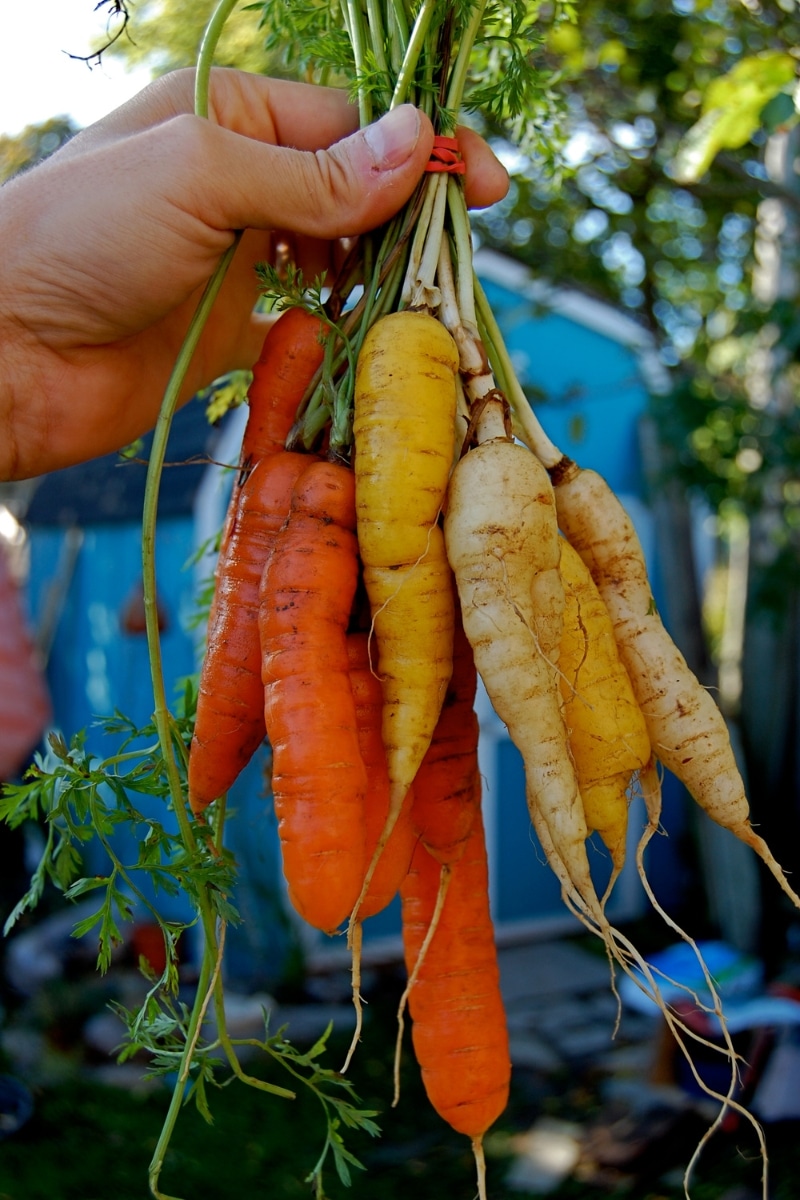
(400, 525)
(361, 589)
(334, 633)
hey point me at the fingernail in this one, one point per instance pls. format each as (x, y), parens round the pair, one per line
(392, 139)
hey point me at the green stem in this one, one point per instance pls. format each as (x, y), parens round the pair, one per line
(126, 756)
(390, 243)
(149, 516)
(212, 960)
(205, 58)
(176, 1102)
(416, 45)
(458, 75)
(220, 807)
(532, 432)
(119, 868)
(149, 520)
(395, 273)
(354, 18)
(384, 283)
(377, 34)
(499, 366)
(398, 33)
(462, 238)
(310, 420)
(341, 416)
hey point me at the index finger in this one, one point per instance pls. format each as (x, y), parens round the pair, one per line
(278, 111)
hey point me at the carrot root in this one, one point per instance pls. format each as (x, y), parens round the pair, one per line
(480, 1166)
(441, 895)
(358, 1004)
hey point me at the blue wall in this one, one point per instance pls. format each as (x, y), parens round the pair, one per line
(591, 387)
(93, 662)
(96, 667)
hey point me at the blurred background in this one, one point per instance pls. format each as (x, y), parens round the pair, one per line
(644, 271)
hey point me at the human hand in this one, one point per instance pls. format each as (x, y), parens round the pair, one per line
(108, 245)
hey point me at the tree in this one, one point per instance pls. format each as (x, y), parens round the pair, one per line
(680, 254)
(166, 34)
(35, 143)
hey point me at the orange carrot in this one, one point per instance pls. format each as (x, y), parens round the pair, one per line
(292, 351)
(318, 776)
(447, 798)
(229, 725)
(447, 786)
(393, 864)
(459, 1027)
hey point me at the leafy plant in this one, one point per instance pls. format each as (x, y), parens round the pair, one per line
(80, 797)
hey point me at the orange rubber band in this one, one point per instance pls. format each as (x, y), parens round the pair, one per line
(446, 156)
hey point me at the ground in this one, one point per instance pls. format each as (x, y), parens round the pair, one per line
(588, 1116)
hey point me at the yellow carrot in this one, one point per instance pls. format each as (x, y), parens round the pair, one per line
(403, 430)
(607, 732)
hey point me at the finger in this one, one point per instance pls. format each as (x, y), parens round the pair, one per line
(486, 179)
(282, 112)
(305, 116)
(301, 115)
(357, 184)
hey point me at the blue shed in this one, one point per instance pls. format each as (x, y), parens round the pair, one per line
(589, 371)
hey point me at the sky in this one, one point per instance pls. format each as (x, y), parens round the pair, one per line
(39, 80)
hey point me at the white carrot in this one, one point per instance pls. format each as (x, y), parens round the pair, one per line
(503, 545)
(687, 729)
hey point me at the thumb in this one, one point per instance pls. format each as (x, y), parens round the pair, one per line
(354, 185)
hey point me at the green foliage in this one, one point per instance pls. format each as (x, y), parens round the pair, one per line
(288, 288)
(732, 111)
(513, 87)
(681, 253)
(164, 35)
(510, 79)
(308, 39)
(336, 1095)
(33, 145)
(743, 459)
(225, 393)
(79, 797)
